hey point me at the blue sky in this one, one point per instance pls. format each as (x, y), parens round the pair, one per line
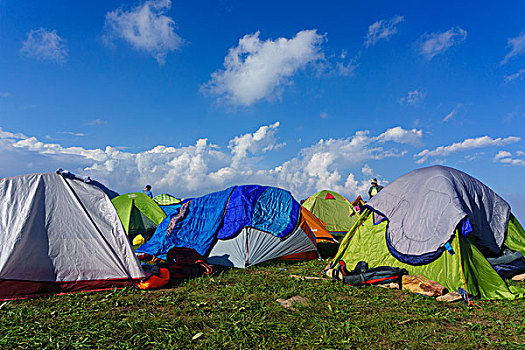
(195, 96)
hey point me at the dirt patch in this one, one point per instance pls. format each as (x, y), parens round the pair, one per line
(291, 302)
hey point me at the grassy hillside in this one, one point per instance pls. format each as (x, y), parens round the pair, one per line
(238, 310)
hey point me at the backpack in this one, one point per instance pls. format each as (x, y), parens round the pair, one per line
(362, 276)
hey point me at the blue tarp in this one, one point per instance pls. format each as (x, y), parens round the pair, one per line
(197, 230)
(240, 209)
(170, 210)
(222, 215)
(276, 212)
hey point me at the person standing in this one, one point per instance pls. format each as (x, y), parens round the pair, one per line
(374, 188)
(147, 191)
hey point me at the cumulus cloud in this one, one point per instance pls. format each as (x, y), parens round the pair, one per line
(413, 97)
(204, 167)
(261, 141)
(506, 157)
(467, 144)
(518, 75)
(382, 29)
(44, 45)
(400, 135)
(367, 170)
(451, 114)
(517, 47)
(257, 69)
(432, 44)
(146, 28)
(9, 136)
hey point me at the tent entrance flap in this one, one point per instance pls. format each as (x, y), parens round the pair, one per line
(139, 223)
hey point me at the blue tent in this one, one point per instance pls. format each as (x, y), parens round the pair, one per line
(222, 216)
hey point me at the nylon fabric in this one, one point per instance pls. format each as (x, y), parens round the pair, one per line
(276, 212)
(166, 199)
(231, 252)
(252, 246)
(425, 206)
(170, 209)
(239, 227)
(317, 227)
(128, 204)
(55, 229)
(240, 210)
(366, 242)
(338, 213)
(197, 230)
(515, 236)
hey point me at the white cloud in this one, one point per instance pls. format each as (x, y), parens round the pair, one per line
(518, 75)
(204, 167)
(468, 144)
(367, 170)
(344, 65)
(400, 135)
(348, 69)
(4, 94)
(501, 155)
(451, 114)
(517, 47)
(146, 28)
(72, 133)
(44, 45)
(382, 29)
(96, 121)
(413, 97)
(256, 69)
(6, 135)
(262, 140)
(434, 44)
(505, 157)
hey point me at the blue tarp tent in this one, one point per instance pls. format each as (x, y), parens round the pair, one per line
(209, 221)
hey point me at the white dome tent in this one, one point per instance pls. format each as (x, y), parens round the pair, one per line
(60, 234)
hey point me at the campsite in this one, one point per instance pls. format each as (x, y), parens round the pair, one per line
(262, 174)
(242, 268)
(239, 309)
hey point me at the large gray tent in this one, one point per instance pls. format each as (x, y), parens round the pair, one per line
(59, 234)
(424, 207)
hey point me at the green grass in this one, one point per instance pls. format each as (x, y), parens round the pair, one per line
(237, 309)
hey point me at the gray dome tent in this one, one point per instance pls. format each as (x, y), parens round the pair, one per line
(445, 225)
(60, 234)
(424, 207)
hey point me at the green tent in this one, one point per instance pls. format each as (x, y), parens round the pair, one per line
(166, 199)
(333, 209)
(138, 213)
(467, 269)
(445, 225)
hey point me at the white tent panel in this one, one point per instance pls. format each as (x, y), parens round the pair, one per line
(252, 246)
(55, 229)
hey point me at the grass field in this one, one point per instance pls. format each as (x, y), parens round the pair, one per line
(237, 309)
